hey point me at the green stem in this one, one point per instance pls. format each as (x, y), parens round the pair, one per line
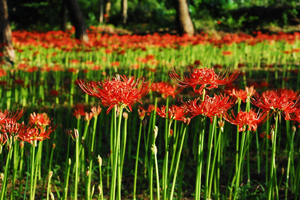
(177, 161)
(137, 160)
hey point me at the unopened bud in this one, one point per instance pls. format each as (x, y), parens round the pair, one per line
(93, 190)
(2, 176)
(155, 132)
(21, 144)
(99, 160)
(282, 170)
(171, 133)
(125, 115)
(52, 196)
(50, 174)
(69, 161)
(87, 172)
(294, 129)
(99, 188)
(53, 146)
(154, 149)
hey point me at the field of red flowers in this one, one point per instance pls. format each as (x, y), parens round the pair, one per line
(150, 117)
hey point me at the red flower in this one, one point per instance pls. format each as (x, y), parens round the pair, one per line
(119, 90)
(204, 77)
(210, 107)
(29, 134)
(277, 101)
(241, 94)
(174, 113)
(243, 119)
(165, 89)
(40, 119)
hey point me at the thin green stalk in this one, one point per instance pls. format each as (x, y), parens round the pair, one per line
(65, 196)
(116, 158)
(137, 160)
(4, 182)
(91, 153)
(100, 177)
(49, 184)
(238, 175)
(289, 162)
(178, 160)
(76, 163)
(210, 142)
(272, 174)
(32, 170)
(216, 152)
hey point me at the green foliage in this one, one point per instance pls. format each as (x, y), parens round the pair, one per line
(153, 14)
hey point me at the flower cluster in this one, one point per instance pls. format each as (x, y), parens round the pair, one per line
(118, 91)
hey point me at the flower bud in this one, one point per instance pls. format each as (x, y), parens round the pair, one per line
(52, 196)
(69, 161)
(21, 144)
(87, 172)
(53, 146)
(154, 149)
(155, 132)
(50, 174)
(93, 190)
(99, 188)
(99, 160)
(125, 115)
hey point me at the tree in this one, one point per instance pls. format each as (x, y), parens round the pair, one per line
(183, 19)
(5, 33)
(124, 6)
(77, 20)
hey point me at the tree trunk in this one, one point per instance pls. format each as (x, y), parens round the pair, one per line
(77, 20)
(63, 25)
(5, 33)
(124, 7)
(183, 19)
(101, 11)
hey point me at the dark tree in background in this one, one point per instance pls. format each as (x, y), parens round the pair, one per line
(183, 20)
(5, 33)
(77, 20)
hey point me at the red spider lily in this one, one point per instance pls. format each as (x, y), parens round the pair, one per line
(241, 94)
(32, 134)
(119, 90)
(243, 119)
(11, 116)
(165, 89)
(79, 111)
(149, 110)
(276, 101)
(204, 77)
(3, 140)
(96, 110)
(88, 116)
(210, 107)
(174, 113)
(142, 114)
(40, 119)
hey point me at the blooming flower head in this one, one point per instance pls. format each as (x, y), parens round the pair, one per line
(118, 91)
(277, 101)
(210, 107)
(204, 77)
(40, 119)
(165, 89)
(174, 113)
(241, 94)
(30, 134)
(243, 119)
